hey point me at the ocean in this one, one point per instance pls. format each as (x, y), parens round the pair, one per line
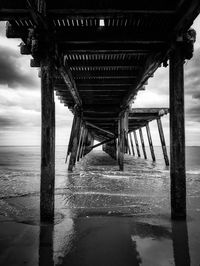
(123, 218)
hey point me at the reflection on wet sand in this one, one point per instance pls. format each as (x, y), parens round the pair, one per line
(180, 243)
(111, 241)
(46, 245)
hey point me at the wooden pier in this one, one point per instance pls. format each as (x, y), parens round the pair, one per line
(97, 55)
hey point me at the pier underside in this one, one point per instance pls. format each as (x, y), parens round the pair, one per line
(97, 56)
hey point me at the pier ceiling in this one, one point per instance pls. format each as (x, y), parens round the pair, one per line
(103, 52)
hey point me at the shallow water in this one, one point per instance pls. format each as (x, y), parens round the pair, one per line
(102, 216)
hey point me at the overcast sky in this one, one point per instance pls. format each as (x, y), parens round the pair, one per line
(20, 98)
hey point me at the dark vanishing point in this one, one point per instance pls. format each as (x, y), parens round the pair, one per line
(97, 55)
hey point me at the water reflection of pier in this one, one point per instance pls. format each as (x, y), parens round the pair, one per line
(113, 241)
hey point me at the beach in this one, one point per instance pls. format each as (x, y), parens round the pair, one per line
(102, 216)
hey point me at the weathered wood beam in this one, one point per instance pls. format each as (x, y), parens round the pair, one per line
(80, 142)
(71, 138)
(38, 12)
(162, 139)
(120, 145)
(108, 82)
(102, 118)
(136, 143)
(47, 142)
(132, 146)
(177, 135)
(142, 142)
(104, 63)
(108, 13)
(150, 142)
(75, 141)
(102, 73)
(121, 47)
(101, 143)
(149, 111)
(108, 35)
(69, 81)
(105, 132)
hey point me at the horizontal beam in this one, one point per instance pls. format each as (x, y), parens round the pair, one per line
(148, 111)
(100, 108)
(100, 129)
(120, 73)
(86, 13)
(125, 47)
(108, 82)
(101, 143)
(103, 63)
(108, 35)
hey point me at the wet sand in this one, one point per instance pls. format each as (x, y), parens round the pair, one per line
(103, 217)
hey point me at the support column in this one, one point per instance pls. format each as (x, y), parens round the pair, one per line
(69, 149)
(136, 143)
(142, 142)
(126, 145)
(79, 144)
(47, 142)
(130, 136)
(177, 135)
(162, 140)
(150, 142)
(75, 141)
(121, 142)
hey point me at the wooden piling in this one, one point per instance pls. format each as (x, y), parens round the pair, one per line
(136, 143)
(142, 142)
(79, 144)
(125, 129)
(162, 139)
(121, 143)
(69, 149)
(177, 135)
(150, 142)
(47, 142)
(131, 140)
(75, 141)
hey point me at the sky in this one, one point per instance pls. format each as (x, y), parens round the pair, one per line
(20, 101)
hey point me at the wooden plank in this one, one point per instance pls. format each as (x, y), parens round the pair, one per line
(136, 143)
(150, 142)
(47, 142)
(142, 142)
(162, 139)
(177, 136)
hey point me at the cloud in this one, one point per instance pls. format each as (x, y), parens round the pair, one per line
(12, 72)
